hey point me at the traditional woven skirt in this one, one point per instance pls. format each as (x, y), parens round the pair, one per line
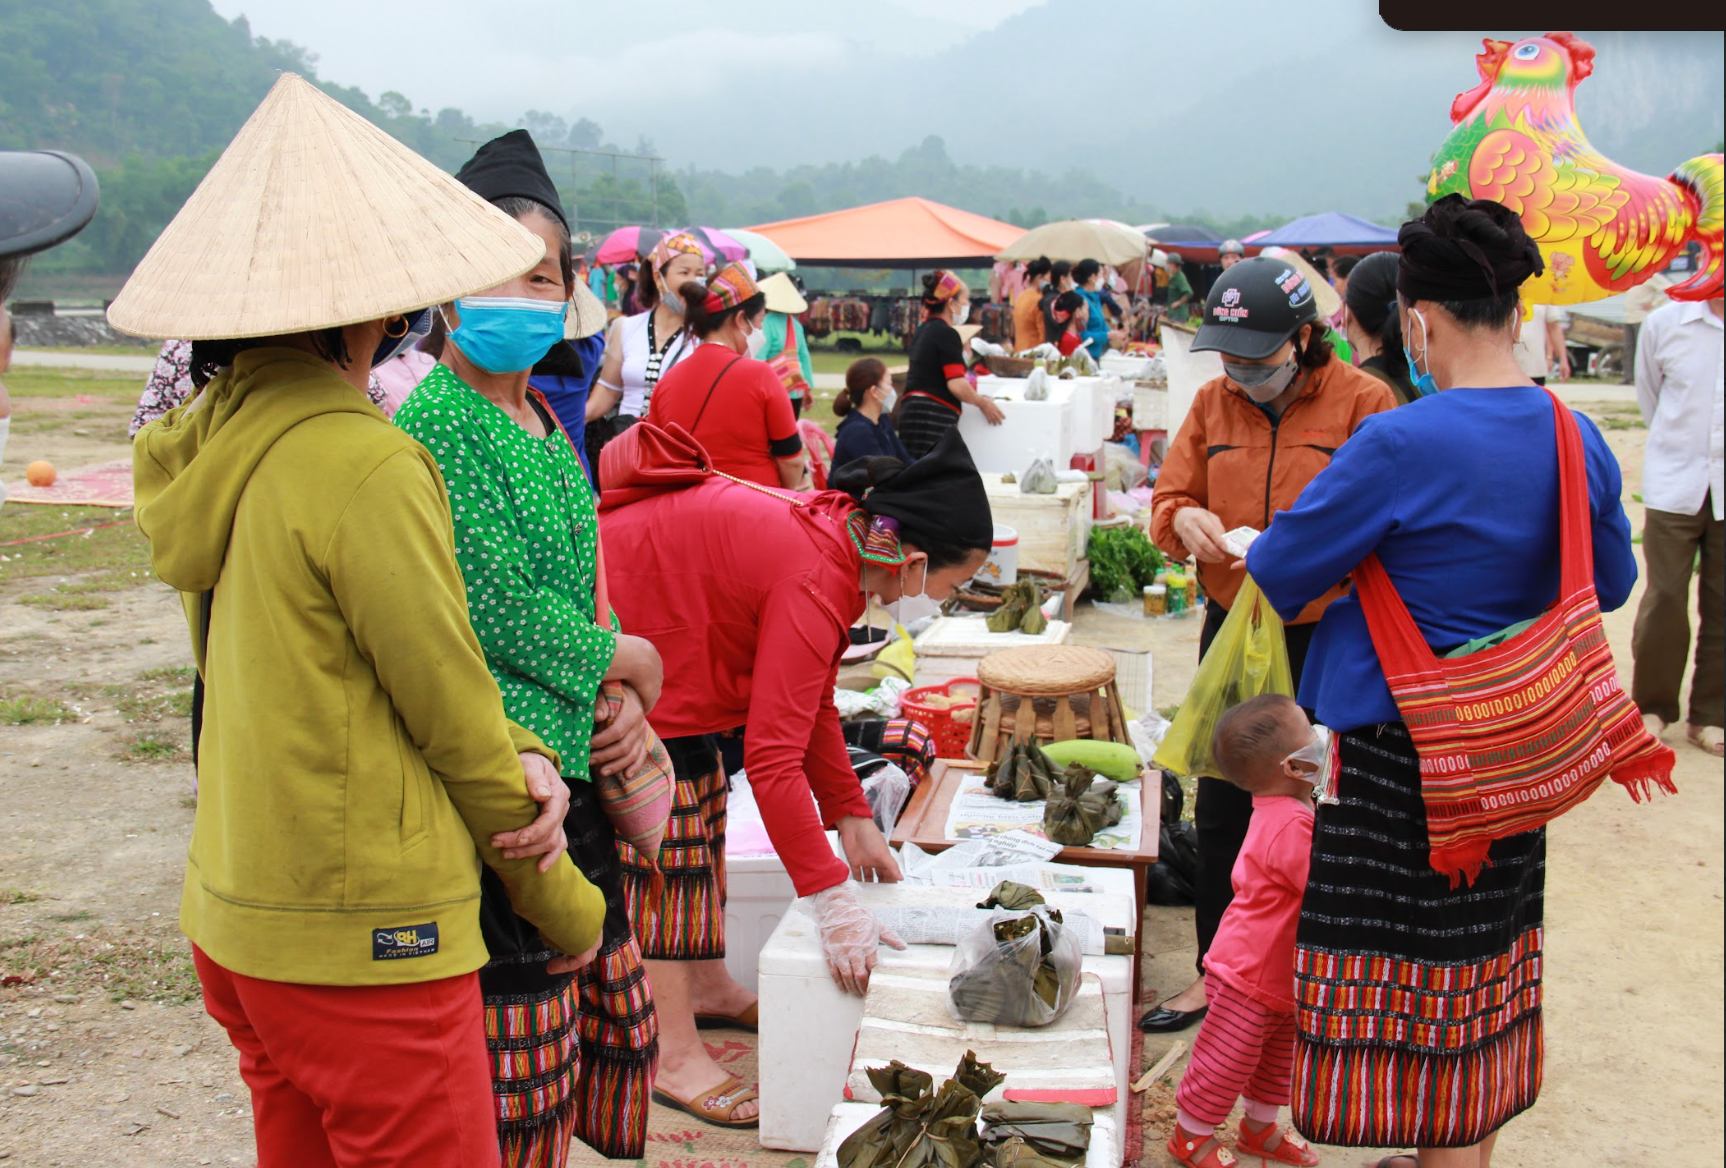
(573, 1056)
(686, 921)
(1418, 1003)
(924, 421)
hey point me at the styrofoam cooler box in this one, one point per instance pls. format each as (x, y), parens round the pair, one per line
(951, 646)
(1093, 408)
(1150, 407)
(758, 890)
(1032, 430)
(809, 1025)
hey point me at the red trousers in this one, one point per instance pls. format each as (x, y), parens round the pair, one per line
(1244, 1049)
(360, 1076)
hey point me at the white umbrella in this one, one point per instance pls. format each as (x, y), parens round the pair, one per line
(1078, 239)
(768, 256)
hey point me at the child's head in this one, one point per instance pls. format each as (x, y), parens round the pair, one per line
(1071, 311)
(1253, 742)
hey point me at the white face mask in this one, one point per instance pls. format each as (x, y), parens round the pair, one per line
(962, 314)
(888, 397)
(911, 608)
(755, 342)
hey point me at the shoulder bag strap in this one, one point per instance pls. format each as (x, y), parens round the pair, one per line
(693, 426)
(1575, 526)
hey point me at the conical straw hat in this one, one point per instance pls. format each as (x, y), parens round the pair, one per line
(314, 218)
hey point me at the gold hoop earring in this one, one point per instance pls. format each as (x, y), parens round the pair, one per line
(399, 332)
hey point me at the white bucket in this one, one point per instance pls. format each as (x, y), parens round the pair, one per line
(1002, 566)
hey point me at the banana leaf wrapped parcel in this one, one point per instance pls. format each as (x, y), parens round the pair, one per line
(1016, 970)
(1079, 806)
(1060, 1131)
(918, 1128)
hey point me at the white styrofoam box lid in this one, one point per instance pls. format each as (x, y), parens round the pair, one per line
(969, 636)
(794, 950)
(1065, 492)
(909, 1016)
(1029, 430)
(1104, 1152)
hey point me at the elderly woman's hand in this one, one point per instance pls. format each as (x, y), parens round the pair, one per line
(620, 744)
(544, 836)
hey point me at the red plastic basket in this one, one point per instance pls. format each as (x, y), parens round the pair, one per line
(950, 734)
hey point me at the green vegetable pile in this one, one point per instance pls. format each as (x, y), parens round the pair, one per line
(1123, 562)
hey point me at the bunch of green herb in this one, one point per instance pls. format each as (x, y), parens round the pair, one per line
(1123, 560)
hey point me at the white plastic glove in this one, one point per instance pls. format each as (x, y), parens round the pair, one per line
(850, 935)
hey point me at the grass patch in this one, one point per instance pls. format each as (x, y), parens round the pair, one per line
(31, 711)
(1620, 422)
(120, 553)
(154, 707)
(123, 965)
(18, 896)
(59, 601)
(173, 674)
(70, 918)
(152, 746)
(27, 381)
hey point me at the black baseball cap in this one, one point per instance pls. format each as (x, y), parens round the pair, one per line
(1253, 308)
(46, 198)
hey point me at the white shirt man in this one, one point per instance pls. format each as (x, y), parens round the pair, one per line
(1681, 391)
(1541, 343)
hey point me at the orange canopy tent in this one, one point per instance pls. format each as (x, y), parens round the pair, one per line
(901, 233)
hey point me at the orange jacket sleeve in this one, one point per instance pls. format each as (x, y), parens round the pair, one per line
(1182, 482)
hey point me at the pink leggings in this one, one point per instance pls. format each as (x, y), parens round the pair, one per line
(1244, 1048)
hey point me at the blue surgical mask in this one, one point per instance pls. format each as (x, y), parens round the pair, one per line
(1425, 384)
(506, 334)
(418, 329)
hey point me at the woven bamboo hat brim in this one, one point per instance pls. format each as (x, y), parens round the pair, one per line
(783, 296)
(314, 218)
(587, 315)
(1047, 669)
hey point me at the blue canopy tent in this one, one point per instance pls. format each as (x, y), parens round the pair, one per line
(1345, 233)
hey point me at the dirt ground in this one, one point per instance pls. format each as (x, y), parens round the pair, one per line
(107, 1058)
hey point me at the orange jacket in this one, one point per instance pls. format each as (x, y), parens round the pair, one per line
(1027, 320)
(1231, 459)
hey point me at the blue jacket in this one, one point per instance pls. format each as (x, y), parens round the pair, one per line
(1458, 495)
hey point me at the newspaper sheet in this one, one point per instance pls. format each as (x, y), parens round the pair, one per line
(976, 814)
(947, 925)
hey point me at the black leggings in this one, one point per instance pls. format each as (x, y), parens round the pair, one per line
(1222, 811)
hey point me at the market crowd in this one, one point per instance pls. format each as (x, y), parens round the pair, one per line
(529, 571)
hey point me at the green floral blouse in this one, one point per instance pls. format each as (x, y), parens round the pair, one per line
(526, 536)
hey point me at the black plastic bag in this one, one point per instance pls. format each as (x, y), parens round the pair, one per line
(1174, 799)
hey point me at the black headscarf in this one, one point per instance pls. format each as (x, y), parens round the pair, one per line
(1465, 249)
(940, 496)
(511, 166)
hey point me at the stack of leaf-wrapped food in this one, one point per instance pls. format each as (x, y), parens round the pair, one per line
(1021, 610)
(1079, 806)
(1024, 773)
(919, 1127)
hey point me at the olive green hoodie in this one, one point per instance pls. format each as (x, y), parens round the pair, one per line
(354, 751)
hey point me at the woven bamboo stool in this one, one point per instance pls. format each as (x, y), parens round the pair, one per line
(1045, 693)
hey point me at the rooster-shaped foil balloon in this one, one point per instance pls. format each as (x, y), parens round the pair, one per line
(1602, 228)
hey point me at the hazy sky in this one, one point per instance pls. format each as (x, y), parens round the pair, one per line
(1186, 105)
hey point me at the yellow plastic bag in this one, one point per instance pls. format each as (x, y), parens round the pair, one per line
(1249, 657)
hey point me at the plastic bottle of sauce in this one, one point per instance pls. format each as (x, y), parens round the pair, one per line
(1156, 599)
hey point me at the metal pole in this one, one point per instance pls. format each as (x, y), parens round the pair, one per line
(653, 183)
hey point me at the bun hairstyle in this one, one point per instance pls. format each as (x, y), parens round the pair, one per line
(863, 375)
(1038, 268)
(1065, 307)
(859, 477)
(1469, 256)
(1372, 303)
(1085, 269)
(703, 323)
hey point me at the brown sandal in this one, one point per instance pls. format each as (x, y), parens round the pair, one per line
(717, 1105)
(747, 1019)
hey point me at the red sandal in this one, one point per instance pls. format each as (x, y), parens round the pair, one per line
(1291, 1149)
(1185, 1150)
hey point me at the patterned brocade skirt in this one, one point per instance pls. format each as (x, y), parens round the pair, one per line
(682, 916)
(1419, 1020)
(573, 1056)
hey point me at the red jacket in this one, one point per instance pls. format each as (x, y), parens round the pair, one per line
(748, 599)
